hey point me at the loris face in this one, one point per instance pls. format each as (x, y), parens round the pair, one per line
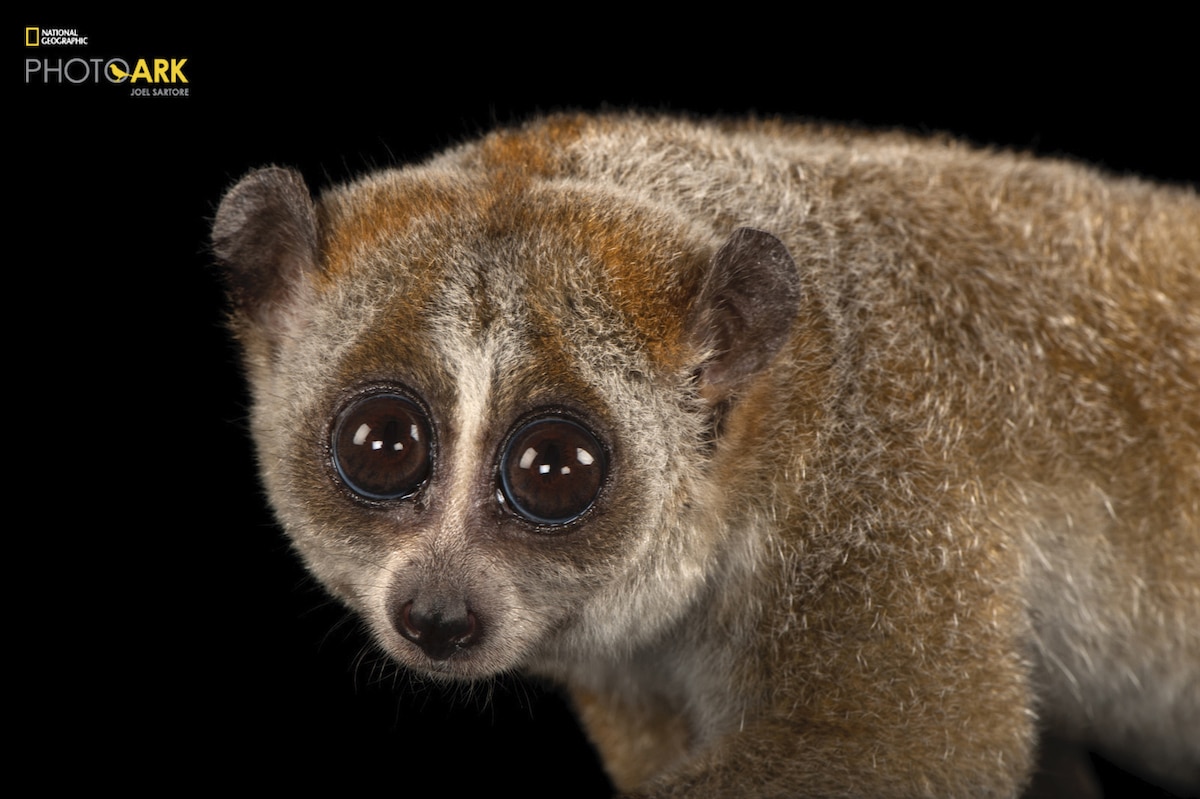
(480, 407)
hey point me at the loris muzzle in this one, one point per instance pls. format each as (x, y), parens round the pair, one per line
(810, 462)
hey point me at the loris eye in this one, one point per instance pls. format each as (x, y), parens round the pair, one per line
(552, 470)
(381, 447)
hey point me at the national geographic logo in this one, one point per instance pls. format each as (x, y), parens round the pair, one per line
(145, 77)
(54, 37)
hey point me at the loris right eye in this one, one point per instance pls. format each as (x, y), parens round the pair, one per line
(381, 447)
(552, 470)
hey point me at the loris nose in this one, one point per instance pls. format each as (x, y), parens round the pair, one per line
(440, 629)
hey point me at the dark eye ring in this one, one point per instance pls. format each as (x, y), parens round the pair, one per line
(552, 470)
(381, 446)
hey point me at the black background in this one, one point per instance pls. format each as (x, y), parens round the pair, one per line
(162, 630)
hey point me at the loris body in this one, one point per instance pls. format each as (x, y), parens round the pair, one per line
(812, 463)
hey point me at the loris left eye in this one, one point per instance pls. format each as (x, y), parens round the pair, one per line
(552, 470)
(381, 446)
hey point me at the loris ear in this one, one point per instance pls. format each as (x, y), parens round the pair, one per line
(745, 310)
(265, 241)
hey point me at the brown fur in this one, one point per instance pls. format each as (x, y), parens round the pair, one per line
(889, 490)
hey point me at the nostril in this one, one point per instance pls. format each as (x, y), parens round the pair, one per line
(438, 630)
(407, 627)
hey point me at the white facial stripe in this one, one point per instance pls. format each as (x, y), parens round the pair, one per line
(473, 364)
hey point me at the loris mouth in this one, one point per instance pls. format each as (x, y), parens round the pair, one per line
(465, 664)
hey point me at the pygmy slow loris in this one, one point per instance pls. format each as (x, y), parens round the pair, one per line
(810, 462)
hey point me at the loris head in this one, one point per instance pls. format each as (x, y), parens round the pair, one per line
(485, 404)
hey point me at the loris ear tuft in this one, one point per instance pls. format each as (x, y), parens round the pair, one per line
(745, 310)
(265, 241)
